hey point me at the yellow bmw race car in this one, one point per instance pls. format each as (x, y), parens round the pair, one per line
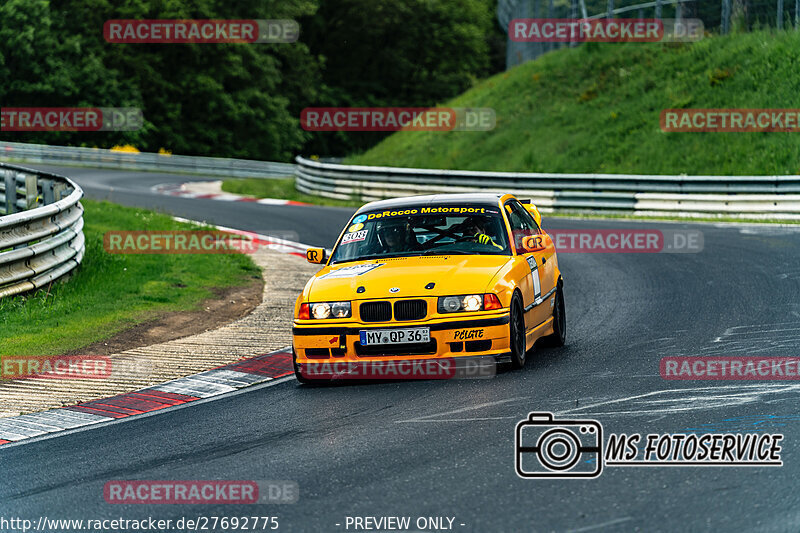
(428, 278)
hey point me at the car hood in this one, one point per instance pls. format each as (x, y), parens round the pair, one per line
(453, 274)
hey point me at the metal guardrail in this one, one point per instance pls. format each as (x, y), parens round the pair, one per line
(99, 158)
(41, 228)
(749, 196)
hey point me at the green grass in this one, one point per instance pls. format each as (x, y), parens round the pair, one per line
(596, 108)
(280, 188)
(111, 292)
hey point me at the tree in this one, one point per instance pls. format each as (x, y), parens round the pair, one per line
(413, 53)
(231, 100)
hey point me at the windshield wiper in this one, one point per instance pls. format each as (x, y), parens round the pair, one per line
(372, 256)
(448, 252)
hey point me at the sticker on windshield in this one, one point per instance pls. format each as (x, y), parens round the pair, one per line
(355, 236)
(435, 210)
(351, 271)
(359, 219)
(355, 227)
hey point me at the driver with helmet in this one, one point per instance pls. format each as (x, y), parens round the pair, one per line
(474, 228)
(396, 235)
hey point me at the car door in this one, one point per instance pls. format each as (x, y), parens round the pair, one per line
(537, 283)
(548, 262)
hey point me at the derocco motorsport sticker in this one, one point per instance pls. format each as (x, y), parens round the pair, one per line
(429, 210)
(351, 271)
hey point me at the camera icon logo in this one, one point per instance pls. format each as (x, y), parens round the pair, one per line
(549, 448)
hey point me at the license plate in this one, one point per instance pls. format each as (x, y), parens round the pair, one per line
(395, 336)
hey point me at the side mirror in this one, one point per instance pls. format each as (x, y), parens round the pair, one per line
(537, 216)
(536, 243)
(316, 255)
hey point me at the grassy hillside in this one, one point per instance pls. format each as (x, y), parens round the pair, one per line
(595, 108)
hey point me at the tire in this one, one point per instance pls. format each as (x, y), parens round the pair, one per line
(516, 333)
(559, 336)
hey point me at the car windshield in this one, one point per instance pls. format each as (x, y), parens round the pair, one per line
(463, 230)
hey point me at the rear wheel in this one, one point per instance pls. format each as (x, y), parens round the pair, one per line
(559, 336)
(516, 333)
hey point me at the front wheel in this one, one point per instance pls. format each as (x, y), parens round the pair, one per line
(559, 336)
(516, 333)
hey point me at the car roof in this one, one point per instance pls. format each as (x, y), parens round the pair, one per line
(475, 198)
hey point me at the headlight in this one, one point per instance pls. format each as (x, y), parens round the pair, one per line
(323, 310)
(473, 302)
(340, 309)
(454, 304)
(449, 304)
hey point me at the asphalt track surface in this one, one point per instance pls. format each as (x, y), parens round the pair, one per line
(447, 448)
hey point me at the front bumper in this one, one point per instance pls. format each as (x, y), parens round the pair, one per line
(463, 367)
(484, 335)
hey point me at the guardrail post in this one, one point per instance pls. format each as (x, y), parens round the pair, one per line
(658, 9)
(58, 191)
(779, 22)
(47, 192)
(11, 191)
(31, 191)
(610, 9)
(796, 14)
(678, 11)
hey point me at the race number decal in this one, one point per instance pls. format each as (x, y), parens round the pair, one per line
(537, 286)
(355, 236)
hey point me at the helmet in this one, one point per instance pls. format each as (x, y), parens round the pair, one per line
(394, 230)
